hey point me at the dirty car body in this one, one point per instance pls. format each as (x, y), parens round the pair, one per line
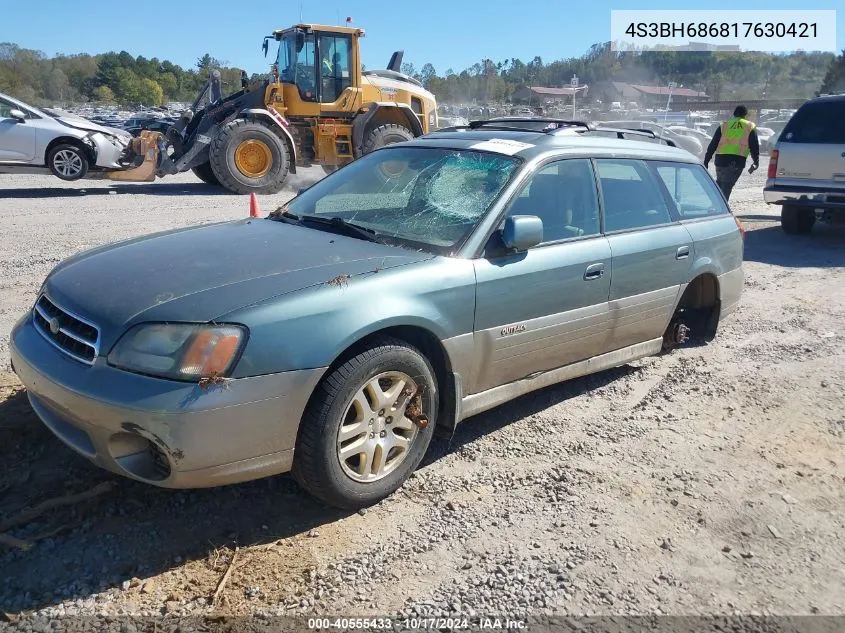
(419, 285)
(26, 142)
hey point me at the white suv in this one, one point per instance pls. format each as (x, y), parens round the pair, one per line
(34, 140)
(807, 166)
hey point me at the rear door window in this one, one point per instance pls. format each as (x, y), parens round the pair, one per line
(691, 189)
(817, 122)
(631, 195)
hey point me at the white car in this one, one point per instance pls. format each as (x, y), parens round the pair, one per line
(34, 140)
(696, 133)
(767, 138)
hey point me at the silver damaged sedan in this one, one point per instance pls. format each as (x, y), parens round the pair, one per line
(33, 140)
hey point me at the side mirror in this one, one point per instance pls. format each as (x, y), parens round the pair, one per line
(18, 115)
(264, 46)
(301, 190)
(521, 232)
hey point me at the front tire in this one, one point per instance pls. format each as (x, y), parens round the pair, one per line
(797, 220)
(68, 162)
(385, 135)
(249, 157)
(205, 173)
(364, 431)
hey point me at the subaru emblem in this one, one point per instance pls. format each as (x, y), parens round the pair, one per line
(54, 325)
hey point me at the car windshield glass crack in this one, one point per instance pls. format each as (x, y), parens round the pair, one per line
(427, 198)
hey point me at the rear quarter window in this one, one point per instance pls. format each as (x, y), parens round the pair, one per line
(817, 122)
(691, 189)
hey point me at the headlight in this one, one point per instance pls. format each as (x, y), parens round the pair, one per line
(180, 351)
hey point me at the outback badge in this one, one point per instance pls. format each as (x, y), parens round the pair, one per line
(513, 329)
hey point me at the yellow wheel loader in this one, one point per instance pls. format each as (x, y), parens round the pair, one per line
(318, 107)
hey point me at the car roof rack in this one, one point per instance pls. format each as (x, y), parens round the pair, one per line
(554, 126)
(512, 124)
(557, 123)
(621, 132)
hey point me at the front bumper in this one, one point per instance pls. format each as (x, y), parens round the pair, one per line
(166, 433)
(109, 151)
(813, 197)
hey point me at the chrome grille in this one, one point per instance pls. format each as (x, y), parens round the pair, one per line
(73, 335)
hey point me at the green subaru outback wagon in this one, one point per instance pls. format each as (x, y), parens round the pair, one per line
(416, 287)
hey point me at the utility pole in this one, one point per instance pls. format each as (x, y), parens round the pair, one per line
(672, 84)
(574, 85)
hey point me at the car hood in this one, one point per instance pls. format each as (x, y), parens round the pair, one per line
(198, 274)
(80, 123)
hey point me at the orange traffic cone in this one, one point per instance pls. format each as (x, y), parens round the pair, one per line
(253, 206)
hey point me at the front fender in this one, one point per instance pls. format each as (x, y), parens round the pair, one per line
(281, 124)
(312, 327)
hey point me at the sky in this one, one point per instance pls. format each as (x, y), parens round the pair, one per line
(453, 34)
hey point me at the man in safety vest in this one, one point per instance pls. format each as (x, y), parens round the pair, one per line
(733, 141)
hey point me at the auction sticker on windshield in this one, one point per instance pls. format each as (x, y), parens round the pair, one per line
(502, 146)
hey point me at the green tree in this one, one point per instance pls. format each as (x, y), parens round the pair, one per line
(104, 94)
(125, 85)
(426, 74)
(834, 78)
(56, 86)
(169, 84)
(149, 92)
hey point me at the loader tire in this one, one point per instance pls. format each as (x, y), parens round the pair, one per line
(205, 173)
(385, 135)
(249, 157)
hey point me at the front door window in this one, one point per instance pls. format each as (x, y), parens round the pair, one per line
(297, 63)
(335, 66)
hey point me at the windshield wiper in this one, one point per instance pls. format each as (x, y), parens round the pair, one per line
(353, 230)
(283, 215)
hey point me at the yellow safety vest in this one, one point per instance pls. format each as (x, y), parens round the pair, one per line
(734, 140)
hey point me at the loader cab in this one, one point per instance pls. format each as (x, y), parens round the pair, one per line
(323, 65)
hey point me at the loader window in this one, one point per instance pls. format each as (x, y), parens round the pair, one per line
(297, 63)
(335, 66)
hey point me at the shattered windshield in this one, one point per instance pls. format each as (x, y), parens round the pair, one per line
(414, 196)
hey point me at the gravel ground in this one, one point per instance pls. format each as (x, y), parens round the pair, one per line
(705, 481)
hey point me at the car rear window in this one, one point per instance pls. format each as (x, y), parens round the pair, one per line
(817, 122)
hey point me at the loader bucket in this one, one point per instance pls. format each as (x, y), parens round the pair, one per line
(146, 146)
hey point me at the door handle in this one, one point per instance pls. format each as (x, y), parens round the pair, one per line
(594, 271)
(682, 252)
